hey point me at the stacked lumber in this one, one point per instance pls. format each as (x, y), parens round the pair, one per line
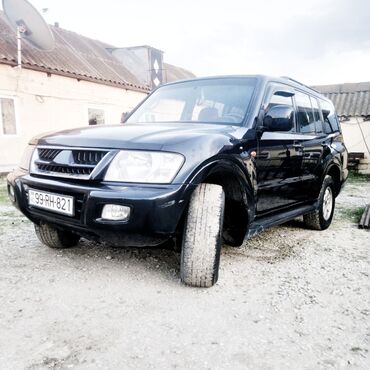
(354, 159)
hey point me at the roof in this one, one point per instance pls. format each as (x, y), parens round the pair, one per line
(174, 73)
(264, 79)
(73, 56)
(349, 99)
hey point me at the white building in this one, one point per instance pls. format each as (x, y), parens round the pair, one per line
(352, 102)
(81, 82)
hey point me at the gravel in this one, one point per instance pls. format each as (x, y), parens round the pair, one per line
(289, 298)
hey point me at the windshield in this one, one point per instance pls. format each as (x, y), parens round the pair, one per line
(222, 101)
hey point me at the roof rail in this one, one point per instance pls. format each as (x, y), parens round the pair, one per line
(300, 83)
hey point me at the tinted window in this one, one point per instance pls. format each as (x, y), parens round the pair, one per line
(224, 100)
(331, 123)
(316, 114)
(280, 100)
(305, 115)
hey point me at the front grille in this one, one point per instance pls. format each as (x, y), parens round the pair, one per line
(91, 157)
(67, 162)
(48, 154)
(65, 169)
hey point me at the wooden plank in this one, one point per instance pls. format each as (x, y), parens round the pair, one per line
(365, 218)
(356, 155)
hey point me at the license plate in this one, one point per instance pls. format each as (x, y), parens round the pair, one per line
(51, 201)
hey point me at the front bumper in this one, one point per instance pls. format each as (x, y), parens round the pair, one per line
(156, 210)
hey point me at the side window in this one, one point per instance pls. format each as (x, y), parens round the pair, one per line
(305, 115)
(331, 123)
(281, 100)
(7, 116)
(316, 114)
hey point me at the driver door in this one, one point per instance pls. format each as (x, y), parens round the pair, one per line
(279, 159)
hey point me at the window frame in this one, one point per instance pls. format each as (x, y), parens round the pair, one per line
(16, 116)
(273, 86)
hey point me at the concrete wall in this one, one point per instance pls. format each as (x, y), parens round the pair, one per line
(355, 142)
(47, 103)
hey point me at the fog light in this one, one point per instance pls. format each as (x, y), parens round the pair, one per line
(115, 212)
(11, 193)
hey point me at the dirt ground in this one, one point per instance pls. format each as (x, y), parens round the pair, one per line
(289, 298)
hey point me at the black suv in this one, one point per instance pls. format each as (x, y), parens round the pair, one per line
(200, 162)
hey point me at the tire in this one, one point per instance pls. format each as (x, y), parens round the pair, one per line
(55, 238)
(202, 238)
(322, 217)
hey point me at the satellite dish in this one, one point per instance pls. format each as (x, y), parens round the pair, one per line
(29, 24)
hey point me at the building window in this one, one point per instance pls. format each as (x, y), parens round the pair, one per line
(7, 116)
(96, 116)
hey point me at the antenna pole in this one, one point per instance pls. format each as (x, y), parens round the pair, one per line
(19, 46)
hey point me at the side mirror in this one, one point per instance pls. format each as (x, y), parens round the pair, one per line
(124, 116)
(279, 118)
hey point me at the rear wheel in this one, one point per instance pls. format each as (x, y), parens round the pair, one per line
(55, 238)
(322, 217)
(201, 246)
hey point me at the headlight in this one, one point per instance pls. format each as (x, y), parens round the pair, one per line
(142, 166)
(26, 157)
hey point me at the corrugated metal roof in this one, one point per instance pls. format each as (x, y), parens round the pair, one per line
(74, 56)
(174, 73)
(349, 99)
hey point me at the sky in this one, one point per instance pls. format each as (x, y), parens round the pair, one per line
(315, 42)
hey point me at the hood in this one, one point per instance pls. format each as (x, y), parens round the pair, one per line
(154, 136)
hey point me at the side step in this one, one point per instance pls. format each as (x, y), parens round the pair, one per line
(264, 223)
(365, 218)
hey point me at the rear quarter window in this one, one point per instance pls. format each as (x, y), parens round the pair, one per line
(331, 122)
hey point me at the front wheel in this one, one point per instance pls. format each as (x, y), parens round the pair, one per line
(55, 238)
(322, 217)
(202, 239)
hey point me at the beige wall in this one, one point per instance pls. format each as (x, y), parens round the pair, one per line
(354, 140)
(352, 134)
(52, 103)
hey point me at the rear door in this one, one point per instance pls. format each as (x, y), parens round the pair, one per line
(309, 125)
